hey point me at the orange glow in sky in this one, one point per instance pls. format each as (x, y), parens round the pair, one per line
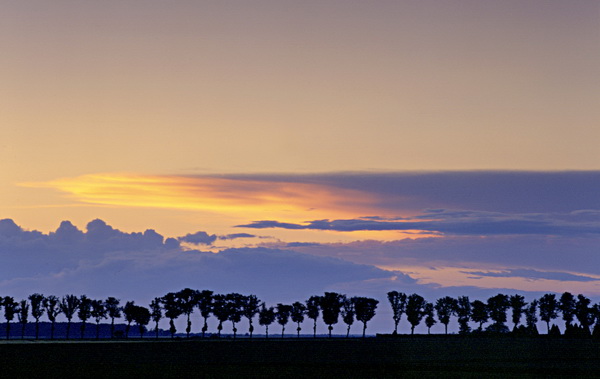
(257, 199)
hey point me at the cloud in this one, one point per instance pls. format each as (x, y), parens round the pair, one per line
(303, 244)
(578, 254)
(236, 236)
(534, 275)
(494, 191)
(458, 222)
(199, 238)
(290, 198)
(104, 261)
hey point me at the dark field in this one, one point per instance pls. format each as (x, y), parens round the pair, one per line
(419, 356)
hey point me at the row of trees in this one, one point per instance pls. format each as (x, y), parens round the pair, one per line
(233, 307)
(548, 307)
(230, 307)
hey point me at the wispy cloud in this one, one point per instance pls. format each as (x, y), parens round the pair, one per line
(534, 275)
(458, 222)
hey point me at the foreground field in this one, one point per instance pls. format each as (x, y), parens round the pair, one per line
(418, 356)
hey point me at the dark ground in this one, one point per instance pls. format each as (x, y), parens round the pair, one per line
(404, 356)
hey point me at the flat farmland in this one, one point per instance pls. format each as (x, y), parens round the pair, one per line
(403, 356)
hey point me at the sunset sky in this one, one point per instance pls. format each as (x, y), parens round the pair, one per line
(438, 147)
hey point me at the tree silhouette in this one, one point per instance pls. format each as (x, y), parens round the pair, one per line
(141, 316)
(463, 312)
(282, 315)
(249, 309)
(584, 313)
(479, 313)
(364, 307)
(114, 311)
(414, 310)
(156, 312)
(37, 310)
(68, 306)
(129, 313)
(398, 302)
(548, 309)
(266, 316)
(566, 305)
(429, 316)
(204, 304)
(497, 307)
(445, 308)
(517, 304)
(297, 314)
(312, 311)
(172, 308)
(84, 312)
(220, 311)
(234, 307)
(348, 314)
(531, 317)
(331, 304)
(52, 306)
(23, 313)
(98, 313)
(187, 299)
(596, 313)
(11, 308)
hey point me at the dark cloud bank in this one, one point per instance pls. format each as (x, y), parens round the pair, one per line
(492, 191)
(102, 261)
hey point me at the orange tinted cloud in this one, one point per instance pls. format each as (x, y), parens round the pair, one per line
(251, 198)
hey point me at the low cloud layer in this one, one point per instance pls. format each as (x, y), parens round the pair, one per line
(103, 261)
(458, 222)
(533, 275)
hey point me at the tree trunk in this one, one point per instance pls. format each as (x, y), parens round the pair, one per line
(156, 330)
(141, 331)
(396, 326)
(364, 329)
(172, 328)
(204, 327)
(282, 330)
(548, 327)
(330, 329)
(127, 329)
(348, 332)
(446, 328)
(267, 331)
(188, 329)
(52, 330)
(315, 329)
(112, 328)
(251, 328)
(234, 330)
(298, 330)
(68, 328)
(412, 330)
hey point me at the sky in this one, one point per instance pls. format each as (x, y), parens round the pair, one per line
(295, 147)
